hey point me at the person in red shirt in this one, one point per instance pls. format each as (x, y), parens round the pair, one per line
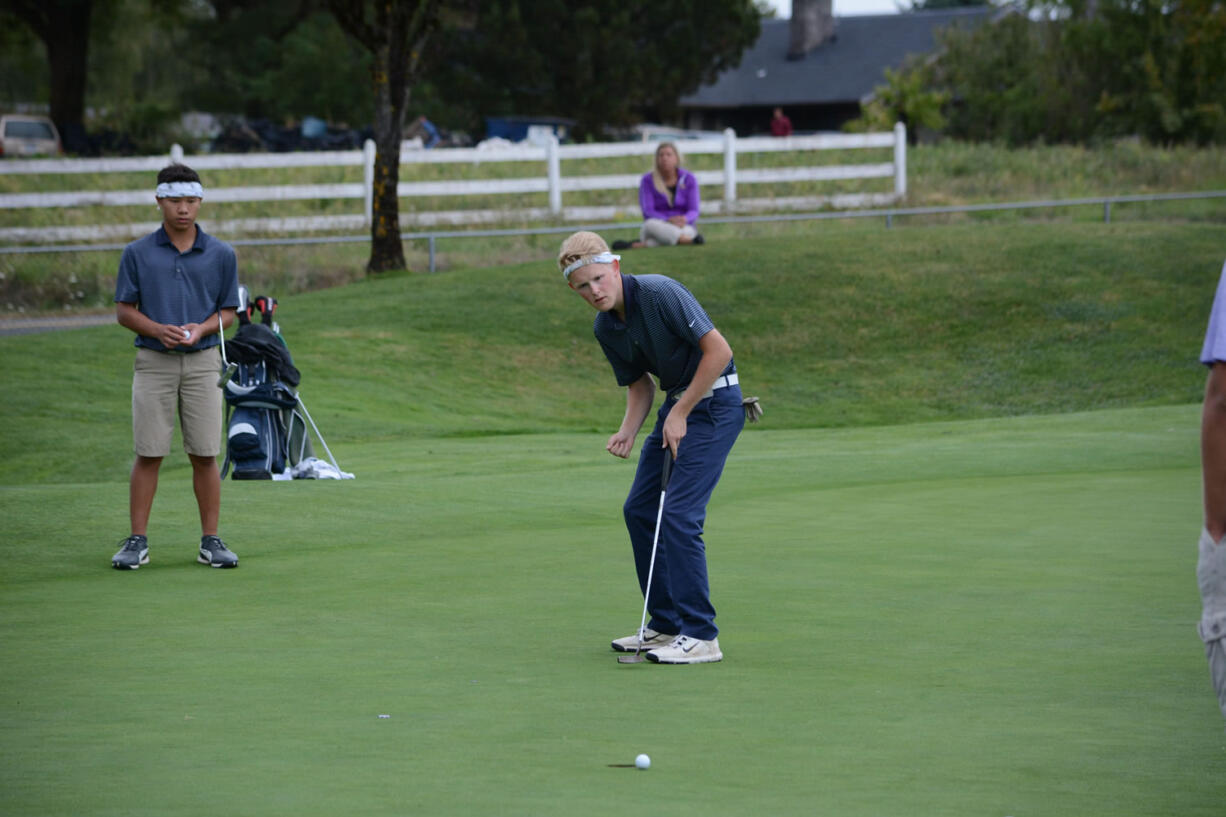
(780, 124)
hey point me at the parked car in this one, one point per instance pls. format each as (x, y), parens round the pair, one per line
(24, 135)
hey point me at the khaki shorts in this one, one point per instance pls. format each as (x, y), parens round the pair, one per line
(164, 382)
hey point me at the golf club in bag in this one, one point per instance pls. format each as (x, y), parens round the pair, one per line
(665, 471)
(227, 368)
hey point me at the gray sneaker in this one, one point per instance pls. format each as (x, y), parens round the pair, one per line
(133, 552)
(214, 553)
(651, 640)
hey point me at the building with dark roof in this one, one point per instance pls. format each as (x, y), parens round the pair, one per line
(817, 67)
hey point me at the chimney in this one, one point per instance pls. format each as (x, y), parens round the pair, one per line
(812, 24)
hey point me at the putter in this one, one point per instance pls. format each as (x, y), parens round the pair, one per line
(227, 368)
(637, 658)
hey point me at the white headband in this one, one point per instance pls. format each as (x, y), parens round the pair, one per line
(602, 258)
(180, 190)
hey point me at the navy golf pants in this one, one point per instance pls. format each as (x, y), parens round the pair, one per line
(680, 595)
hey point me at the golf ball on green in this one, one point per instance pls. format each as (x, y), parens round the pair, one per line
(642, 762)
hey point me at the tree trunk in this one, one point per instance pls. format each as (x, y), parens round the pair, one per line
(63, 27)
(67, 49)
(391, 99)
(395, 32)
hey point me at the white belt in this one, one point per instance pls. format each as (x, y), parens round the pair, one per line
(722, 382)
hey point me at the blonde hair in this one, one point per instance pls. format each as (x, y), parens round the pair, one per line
(582, 244)
(657, 180)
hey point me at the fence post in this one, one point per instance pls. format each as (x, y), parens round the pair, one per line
(900, 160)
(729, 170)
(553, 167)
(368, 180)
(176, 154)
(1107, 211)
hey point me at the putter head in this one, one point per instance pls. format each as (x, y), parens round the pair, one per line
(637, 658)
(226, 374)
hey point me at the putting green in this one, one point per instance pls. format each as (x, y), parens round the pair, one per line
(975, 618)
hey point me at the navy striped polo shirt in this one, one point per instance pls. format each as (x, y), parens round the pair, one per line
(660, 335)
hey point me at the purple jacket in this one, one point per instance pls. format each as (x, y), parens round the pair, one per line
(685, 204)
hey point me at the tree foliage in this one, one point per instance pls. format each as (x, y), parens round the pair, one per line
(63, 26)
(907, 97)
(1161, 68)
(279, 60)
(1087, 71)
(110, 56)
(600, 62)
(23, 62)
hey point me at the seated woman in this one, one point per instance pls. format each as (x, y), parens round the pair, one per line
(668, 196)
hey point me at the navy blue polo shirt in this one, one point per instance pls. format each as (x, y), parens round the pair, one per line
(177, 288)
(660, 335)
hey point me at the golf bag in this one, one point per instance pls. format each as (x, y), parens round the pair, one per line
(266, 419)
(257, 436)
(261, 402)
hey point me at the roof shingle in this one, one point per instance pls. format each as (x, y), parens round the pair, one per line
(844, 69)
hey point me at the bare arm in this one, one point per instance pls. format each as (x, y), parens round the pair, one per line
(1213, 451)
(639, 397)
(716, 355)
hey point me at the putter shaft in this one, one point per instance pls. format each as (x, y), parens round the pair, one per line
(665, 471)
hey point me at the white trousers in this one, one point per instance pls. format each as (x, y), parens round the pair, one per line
(657, 232)
(1211, 576)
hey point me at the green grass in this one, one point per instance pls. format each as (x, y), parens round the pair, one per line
(962, 173)
(989, 617)
(84, 282)
(834, 328)
(953, 567)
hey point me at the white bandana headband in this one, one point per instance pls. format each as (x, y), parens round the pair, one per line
(180, 190)
(602, 258)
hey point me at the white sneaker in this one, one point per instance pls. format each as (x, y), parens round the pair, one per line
(686, 650)
(651, 640)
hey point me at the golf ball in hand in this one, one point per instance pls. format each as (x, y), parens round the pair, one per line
(642, 762)
(186, 334)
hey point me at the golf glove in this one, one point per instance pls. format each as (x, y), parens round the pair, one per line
(753, 409)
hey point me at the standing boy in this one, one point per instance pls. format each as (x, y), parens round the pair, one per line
(177, 289)
(652, 325)
(1211, 564)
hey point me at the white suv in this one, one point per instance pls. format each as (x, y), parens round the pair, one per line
(23, 135)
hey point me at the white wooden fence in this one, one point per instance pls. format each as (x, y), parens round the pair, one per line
(553, 184)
